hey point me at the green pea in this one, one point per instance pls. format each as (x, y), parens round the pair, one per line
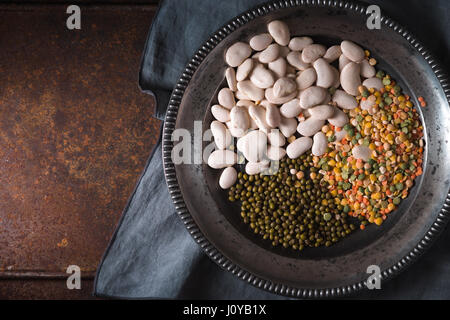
(380, 74)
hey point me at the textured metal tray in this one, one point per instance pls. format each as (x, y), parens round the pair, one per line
(342, 268)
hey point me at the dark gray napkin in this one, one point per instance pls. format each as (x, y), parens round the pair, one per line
(151, 255)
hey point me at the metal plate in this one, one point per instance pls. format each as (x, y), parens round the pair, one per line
(340, 269)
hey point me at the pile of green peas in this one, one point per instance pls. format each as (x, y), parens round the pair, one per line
(291, 212)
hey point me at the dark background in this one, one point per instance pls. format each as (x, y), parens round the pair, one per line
(75, 131)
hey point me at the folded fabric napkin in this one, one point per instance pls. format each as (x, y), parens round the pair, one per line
(151, 255)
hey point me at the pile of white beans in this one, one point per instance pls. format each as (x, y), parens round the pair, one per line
(277, 86)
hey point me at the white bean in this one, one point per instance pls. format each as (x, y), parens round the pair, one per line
(226, 98)
(310, 126)
(333, 53)
(276, 138)
(239, 117)
(325, 74)
(278, 100)
(240, 143)
(291, 109)
(283, 87)
(313, 52)
(352, 51)
(221, 134)
(339, 118)
(271, 53)
(255, 145)
(321, 112)
(227, 178)
(235, 132)
(275, 153)
(219, 159)
(245, 103)
(260, 41)
(241, 96)
(350, 78)
(230, 75)
(261, 77)
(312, 96)
(367, 71)
(244, 69)
(272, 115)
(256, 167)
(299, 146)
(250, 90)
(253, 124)
(343, 60)
(337, 80)
(278, 67)
(220, 113)
(279, 32)
(295, 59)
(344, 100)
(373, 83)
(288, 126)
(361, 152)
(320, 144)
(306, 78)
(258, 114)
(299, 43)
(264, 103)
(237, 53)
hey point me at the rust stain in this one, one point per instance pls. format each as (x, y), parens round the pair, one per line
(75, 133)
(63, 243)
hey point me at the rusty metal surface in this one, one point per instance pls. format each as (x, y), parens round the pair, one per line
(75, 133)
(44, 289)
